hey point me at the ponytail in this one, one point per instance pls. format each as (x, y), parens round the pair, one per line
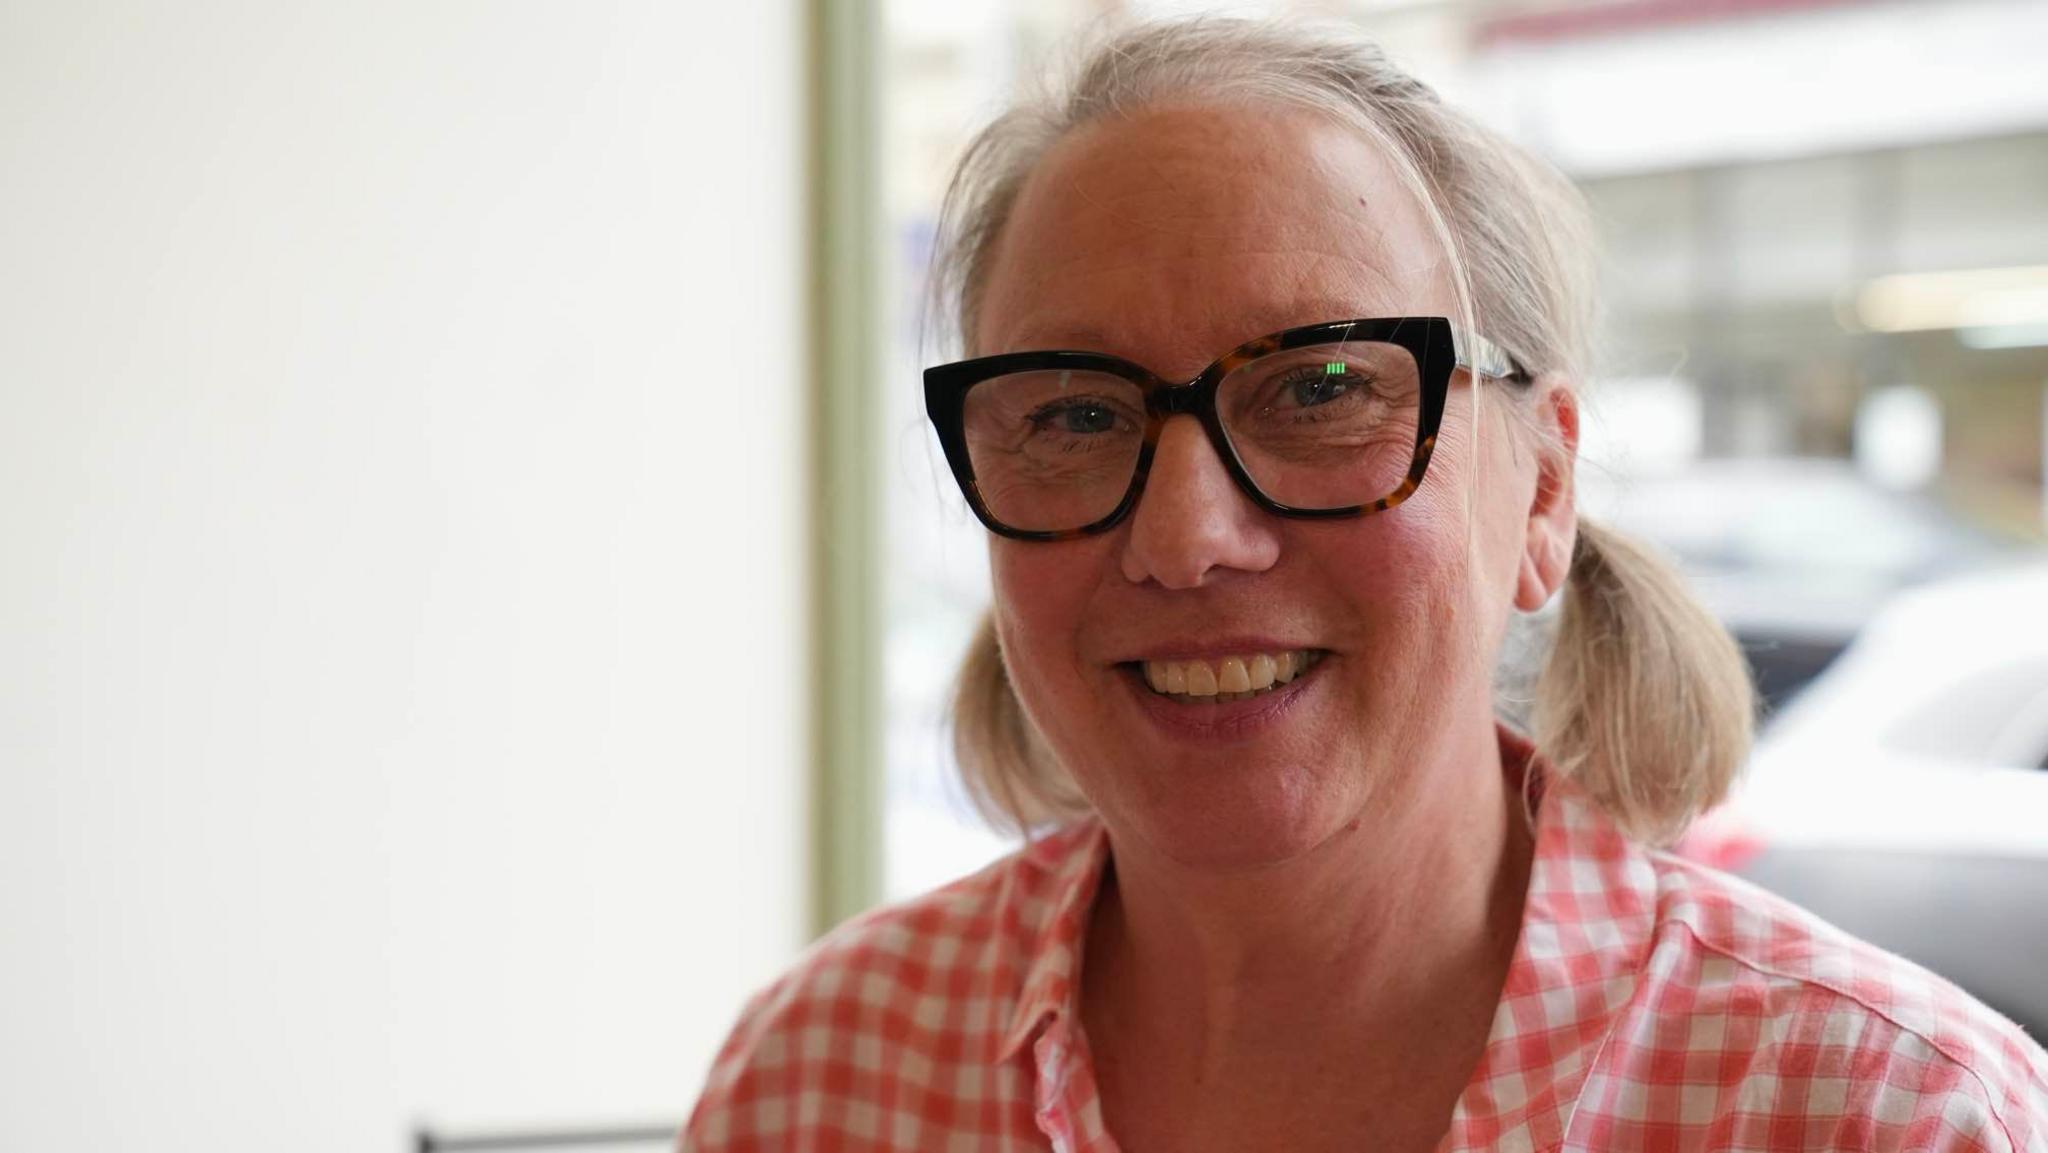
(1646, 701)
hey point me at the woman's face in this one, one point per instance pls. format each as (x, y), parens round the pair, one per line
(1168, 239)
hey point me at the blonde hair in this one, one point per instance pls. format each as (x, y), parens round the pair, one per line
(1645, 700)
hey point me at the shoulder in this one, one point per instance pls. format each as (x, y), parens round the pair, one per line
(881, 1010)
(1819, 1031)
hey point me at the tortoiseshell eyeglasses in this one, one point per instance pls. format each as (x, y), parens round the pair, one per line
(1325, 420)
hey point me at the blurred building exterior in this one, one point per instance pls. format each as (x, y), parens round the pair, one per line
(1824, 236)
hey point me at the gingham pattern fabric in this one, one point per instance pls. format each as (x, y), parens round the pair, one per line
(1652, 1004)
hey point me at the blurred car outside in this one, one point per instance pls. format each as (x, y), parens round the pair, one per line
(1904, 795)
(1793, 554)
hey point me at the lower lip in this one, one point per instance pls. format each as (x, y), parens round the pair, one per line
(1221, 721)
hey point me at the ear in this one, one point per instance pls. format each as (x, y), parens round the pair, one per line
(1553, 515)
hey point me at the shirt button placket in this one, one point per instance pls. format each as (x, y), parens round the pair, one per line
(1050, 1054)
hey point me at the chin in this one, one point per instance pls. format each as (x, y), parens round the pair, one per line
(1232, 825)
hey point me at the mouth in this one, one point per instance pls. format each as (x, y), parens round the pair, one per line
(1219, 680)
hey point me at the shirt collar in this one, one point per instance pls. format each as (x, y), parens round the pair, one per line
(1586, 923)
(1072, 860)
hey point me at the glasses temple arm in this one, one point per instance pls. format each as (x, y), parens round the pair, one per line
(1484, 357)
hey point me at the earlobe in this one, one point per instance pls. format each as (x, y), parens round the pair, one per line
(1553, 516)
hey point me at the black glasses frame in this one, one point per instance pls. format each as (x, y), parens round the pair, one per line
(1435, 343)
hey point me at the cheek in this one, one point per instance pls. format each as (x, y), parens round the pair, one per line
(1041, 596)
(1475, 500)
(1403, 574)
(1409, 577)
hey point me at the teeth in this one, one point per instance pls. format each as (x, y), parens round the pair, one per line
(1228, 679)
(1231, 677)
(1263, 670)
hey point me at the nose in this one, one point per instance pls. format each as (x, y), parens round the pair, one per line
(1192, 520)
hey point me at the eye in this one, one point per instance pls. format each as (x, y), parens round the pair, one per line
(1308, 387)
(1075, 416)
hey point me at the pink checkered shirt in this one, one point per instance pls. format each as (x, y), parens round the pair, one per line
(1651, 1004)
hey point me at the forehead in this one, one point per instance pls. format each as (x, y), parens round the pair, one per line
(1180, 232)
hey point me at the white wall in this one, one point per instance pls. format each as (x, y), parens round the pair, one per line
(400, 590)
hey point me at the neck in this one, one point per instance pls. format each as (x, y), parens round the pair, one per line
(1420, 896)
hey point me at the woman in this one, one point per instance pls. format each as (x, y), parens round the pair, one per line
(1272, 414)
